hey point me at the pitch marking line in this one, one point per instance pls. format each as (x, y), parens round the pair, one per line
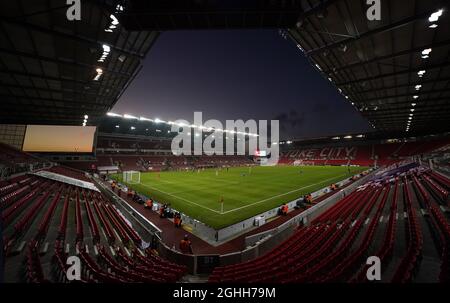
(280, 195)
(189, 201)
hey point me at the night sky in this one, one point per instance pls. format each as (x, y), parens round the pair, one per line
(245, 74)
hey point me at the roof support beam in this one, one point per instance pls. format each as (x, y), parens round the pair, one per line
(427, 68)
(382, 29)
(418, 93)
(422, 82)
(390, 56)
(75, 37)
(65, 101)
(91, 67)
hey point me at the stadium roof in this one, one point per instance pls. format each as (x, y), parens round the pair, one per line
(48, 63)
(395, 71)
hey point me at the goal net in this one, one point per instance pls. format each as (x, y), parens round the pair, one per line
(132, 176)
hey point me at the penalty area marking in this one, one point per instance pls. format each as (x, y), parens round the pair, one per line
(189, 201)
(245, 206)
(280, 195)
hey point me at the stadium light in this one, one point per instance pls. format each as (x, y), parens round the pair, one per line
(127, 116)
(132, 128)
(434, 25)
(418, 86)
(106, 51)
(348, 137)
(412, 109)
(435, 16)
(86, 116)
(117, 126)
(421, 73)
(157, 120)
(114, 20)
(426, 52)
(113, 114)
(99, 73)
(415, 96)
(413, 104)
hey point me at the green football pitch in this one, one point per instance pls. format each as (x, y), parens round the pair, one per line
(245, 191)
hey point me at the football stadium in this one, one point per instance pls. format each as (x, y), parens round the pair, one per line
(328, 162)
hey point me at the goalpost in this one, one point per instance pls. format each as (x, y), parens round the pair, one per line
(132, 176)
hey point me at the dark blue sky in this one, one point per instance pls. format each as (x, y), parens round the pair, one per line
(245, 74)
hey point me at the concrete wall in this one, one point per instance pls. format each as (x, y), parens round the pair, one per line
(308, 215)
(134, 216)
(232, 230)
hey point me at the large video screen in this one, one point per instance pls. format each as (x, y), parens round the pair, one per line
(55, 138)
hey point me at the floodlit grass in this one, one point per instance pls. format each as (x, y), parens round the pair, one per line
(245, 191)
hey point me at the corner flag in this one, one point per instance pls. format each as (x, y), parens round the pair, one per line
(221, 204)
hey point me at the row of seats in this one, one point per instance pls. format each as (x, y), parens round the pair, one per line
(409, 264)
(327, 250)
(92, 223)
(385, 251)
(363, 155)
(43, 227)
(38, 207)
(301, 252)
(34, 271)
(78, 219)
(26, 219)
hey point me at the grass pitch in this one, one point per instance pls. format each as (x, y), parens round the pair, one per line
(245, 191)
